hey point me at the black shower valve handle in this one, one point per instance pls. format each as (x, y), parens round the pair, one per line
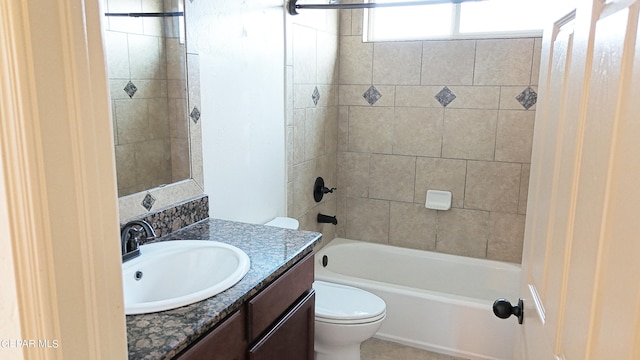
(326, 190)
(319, 189)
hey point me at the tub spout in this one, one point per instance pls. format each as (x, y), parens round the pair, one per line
(326, 219)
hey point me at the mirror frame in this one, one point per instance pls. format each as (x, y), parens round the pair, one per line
(133, 205)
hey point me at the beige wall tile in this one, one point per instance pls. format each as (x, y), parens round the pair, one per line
(397, 63)
(176, 59)
(354, 95)
(327, 54)
(343, 128)
(469, 134)
(304, 55)
(418, 96)
(356, 60)
(492, 186)
(178, 118)
(180, 162)
(302, 96)
(353, 174)
(392, 177)
(463, 232)
(535, 67)
(290, 202)
(418, 131)
(153, 162)
(116, 90)
(514, 137)
(506, 237)
(503, 62)
(508, 96)
(125, 165)
(475, 97)
(326, 167)
(367, 220)
(440, 174)
(328, 95)
(356, 22)
(117, 54)
(176, 89)
(524, 188)
(146, 54)
(289, 150)
(193, 78)
(345, 22)
(304, 175)
(448, 62)
(158, 119)
(299, 119)
(371, 129)
(412, 226)
(331, 130)
(314, 133)
(341, 213)
(132, 119)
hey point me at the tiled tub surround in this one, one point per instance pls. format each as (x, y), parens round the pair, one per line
(271, 250)
(444, 115)
(312, 44)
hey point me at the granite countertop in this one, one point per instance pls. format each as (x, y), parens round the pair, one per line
(272, 251)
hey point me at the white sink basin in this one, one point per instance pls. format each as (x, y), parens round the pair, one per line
(171, 274)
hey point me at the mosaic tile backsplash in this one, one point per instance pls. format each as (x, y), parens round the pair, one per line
(178, 216)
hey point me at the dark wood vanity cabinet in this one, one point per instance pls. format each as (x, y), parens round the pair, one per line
(276, 324)
(228, 341)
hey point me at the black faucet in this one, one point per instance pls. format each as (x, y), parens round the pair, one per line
(326, 219)
(132, 234)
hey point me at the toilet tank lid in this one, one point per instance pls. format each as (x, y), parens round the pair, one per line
(285, 223)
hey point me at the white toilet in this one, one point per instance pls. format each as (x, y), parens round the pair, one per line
(345, 316)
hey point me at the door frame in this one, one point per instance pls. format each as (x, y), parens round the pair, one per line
(60, 258)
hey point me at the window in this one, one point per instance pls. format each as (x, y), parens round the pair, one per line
(483, 19)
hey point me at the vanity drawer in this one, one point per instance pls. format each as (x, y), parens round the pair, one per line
(291, 338)
(225, 342)
(274, 301)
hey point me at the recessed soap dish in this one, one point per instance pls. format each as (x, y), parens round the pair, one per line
(438, 200)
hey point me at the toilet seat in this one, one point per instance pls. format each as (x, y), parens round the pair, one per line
(341, 304)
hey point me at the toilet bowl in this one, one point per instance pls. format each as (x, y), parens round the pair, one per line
(345, 316)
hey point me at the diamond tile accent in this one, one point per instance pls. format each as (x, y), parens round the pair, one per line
(315, 96)
(372, 95)
(527, 98)
(195, 115)
(445, 96)
(130, 89)
(148, 202)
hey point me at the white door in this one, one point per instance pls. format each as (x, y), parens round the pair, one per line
(581, 264)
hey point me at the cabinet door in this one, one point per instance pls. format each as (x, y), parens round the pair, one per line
(226, 342)
(269, 305)
(291, 338)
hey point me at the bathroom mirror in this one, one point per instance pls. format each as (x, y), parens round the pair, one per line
(146, 62)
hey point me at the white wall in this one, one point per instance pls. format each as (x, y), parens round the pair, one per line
(241, 47)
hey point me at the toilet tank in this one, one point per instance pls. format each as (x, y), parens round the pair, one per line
(284, 222)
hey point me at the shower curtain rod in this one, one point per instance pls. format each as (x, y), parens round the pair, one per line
(153, 14)
(293, 5)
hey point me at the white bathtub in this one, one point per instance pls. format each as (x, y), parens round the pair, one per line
(436, 302)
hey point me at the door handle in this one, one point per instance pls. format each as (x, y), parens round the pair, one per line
(503, 309)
